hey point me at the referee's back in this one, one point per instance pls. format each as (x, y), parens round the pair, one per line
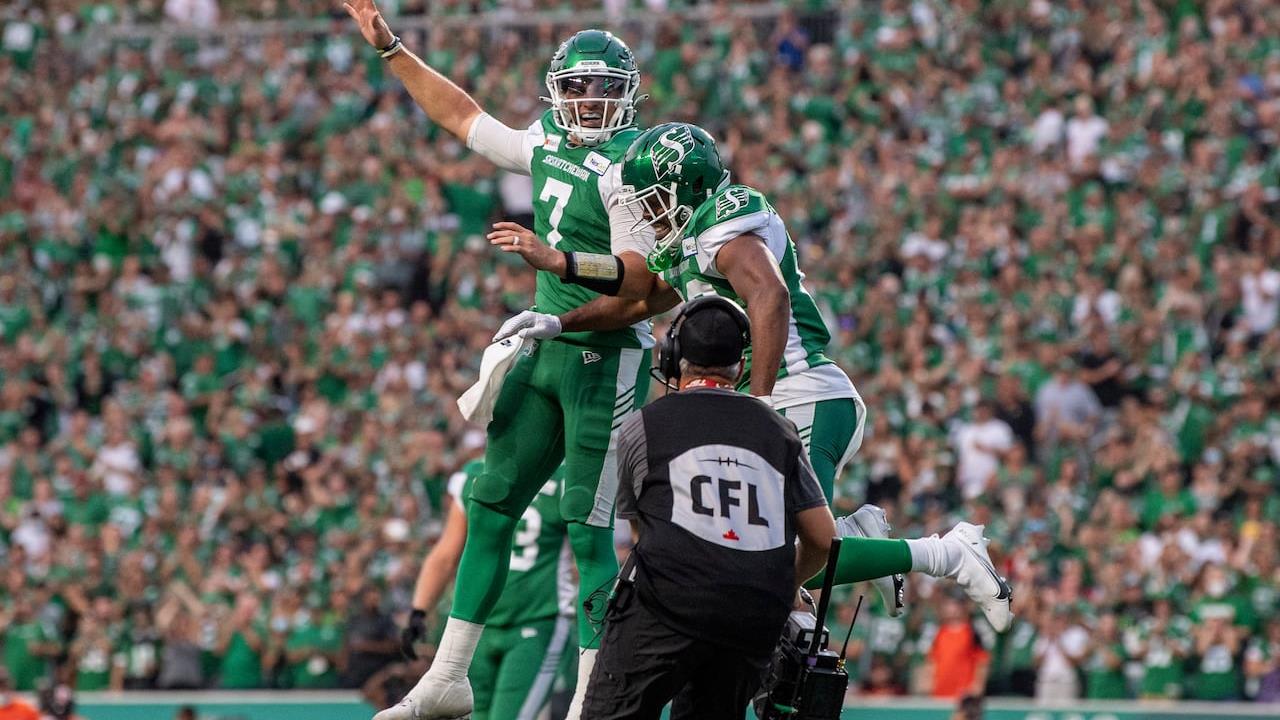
(715, 478)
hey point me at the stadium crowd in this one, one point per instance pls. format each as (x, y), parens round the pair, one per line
(244, 281)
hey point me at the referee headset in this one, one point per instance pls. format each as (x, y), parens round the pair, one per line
(669, 350)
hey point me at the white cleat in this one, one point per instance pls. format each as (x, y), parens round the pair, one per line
(869, 521)
(430, 700)
(978, 577)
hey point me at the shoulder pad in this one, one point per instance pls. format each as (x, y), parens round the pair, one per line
(731, 202)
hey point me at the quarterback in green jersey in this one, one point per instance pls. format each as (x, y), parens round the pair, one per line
(716, 238)
(563, 399)
(523, 643)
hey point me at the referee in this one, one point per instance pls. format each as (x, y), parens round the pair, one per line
(719, 488)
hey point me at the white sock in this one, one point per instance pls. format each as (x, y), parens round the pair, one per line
(932, 556)
(457, 646)
(586, 661)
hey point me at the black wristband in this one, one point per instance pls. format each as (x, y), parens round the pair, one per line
(390, 50)
(417, 614)
(594, 271)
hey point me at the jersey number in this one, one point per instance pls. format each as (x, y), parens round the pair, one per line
(560, 191)
(524, 547)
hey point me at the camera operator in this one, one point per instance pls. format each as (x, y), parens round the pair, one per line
(719, 488)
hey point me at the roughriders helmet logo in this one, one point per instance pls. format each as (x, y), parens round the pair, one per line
(673, 145)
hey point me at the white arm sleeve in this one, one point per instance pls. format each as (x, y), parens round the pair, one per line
(505, 147)
(622, 218)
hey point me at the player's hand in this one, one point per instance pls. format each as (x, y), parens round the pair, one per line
(513, 238)
(530, 324)
(372, 26)
(414, 632)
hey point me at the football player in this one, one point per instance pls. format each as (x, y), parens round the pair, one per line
(564, 400)
(523, 642)
(712, 237)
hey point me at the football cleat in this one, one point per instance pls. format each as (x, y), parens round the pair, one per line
(870, 521)
(978, 576)
(433, 700)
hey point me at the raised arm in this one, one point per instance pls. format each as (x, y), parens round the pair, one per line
(748, 265)
(444, 102)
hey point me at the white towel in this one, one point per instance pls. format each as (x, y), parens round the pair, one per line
(477, 402)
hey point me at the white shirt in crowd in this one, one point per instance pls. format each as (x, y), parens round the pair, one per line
(1057, 678)
(1106, 304)
(1084, 135)
(1047, 130)
(977, 445)
(192, 12)
(1261, 300)
(117, 465)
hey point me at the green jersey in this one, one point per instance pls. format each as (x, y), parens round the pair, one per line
(316, 670)
(1104, 681)
(806, 375)
(540, 583)
(575, 209)
(1217, 677)
(1162, 654)
(93, 672)
(25, 667)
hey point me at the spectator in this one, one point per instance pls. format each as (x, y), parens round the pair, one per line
(1066, 409)
(372, 640)
(1084, 132)
(1262, 665)
(1059, 652)
(201, 13)
(1104, 660)
(1260, 290)
(980, 445)
(240, 646)
(957, 659)
(28, 644)
(11, 706)
(1217, 649)
(1161, 642)
(313, 650)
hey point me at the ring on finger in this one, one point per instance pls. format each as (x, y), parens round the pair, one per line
(516, 240)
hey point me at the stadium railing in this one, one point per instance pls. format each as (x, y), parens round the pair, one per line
(298, 705)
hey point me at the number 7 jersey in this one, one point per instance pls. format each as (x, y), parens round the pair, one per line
(806, 374)
(576, 209)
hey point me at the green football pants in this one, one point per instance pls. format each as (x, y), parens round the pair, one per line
(831, 431)
(515, 667)
(561, 402)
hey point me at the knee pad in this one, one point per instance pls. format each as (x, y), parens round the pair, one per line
(495, 492)
(576, 504)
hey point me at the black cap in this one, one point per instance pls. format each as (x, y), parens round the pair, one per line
(712, 337)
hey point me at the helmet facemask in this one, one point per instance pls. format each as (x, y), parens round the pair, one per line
(589, 89)
(658, 207)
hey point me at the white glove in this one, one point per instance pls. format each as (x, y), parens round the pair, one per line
(530, 324)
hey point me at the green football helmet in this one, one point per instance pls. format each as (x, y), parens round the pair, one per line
(668, 172)
(593, 74)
